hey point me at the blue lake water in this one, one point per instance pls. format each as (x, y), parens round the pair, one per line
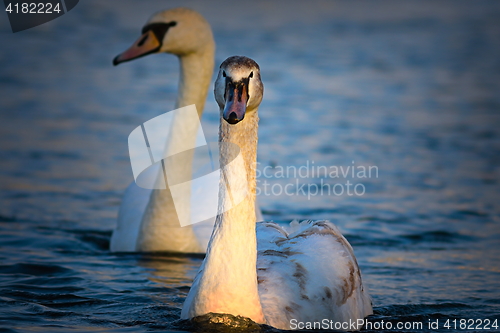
(410, 89)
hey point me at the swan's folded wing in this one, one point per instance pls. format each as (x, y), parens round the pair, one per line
(310, 274)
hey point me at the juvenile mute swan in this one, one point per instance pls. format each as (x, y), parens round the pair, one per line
(263, 271)
(147, 219)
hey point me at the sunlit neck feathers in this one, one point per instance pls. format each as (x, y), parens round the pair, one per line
(227, 282)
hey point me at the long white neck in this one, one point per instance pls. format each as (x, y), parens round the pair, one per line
(227, 281)
(161, 215)
(196, 73)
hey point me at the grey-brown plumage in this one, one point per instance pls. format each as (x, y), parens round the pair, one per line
(308, 272)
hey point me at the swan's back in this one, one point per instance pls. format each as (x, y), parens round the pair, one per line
(308, 272)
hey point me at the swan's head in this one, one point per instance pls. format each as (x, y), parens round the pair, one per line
(238, 88)
(179, 31)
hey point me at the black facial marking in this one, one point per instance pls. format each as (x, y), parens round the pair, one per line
(159, 29)
(239, 86)
(142, 41)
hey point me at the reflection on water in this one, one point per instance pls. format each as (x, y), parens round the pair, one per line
(171, 269)
(407, 87)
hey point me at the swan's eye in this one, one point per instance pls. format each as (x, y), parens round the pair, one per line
(251, 75)
(223, 74)
(172, 24)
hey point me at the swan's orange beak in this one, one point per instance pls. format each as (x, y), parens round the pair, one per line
(146, 44)
(236, 102)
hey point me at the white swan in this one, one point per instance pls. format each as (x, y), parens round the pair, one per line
(147, 219)
(307, 273)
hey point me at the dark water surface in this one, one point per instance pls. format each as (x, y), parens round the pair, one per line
(411, 88)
